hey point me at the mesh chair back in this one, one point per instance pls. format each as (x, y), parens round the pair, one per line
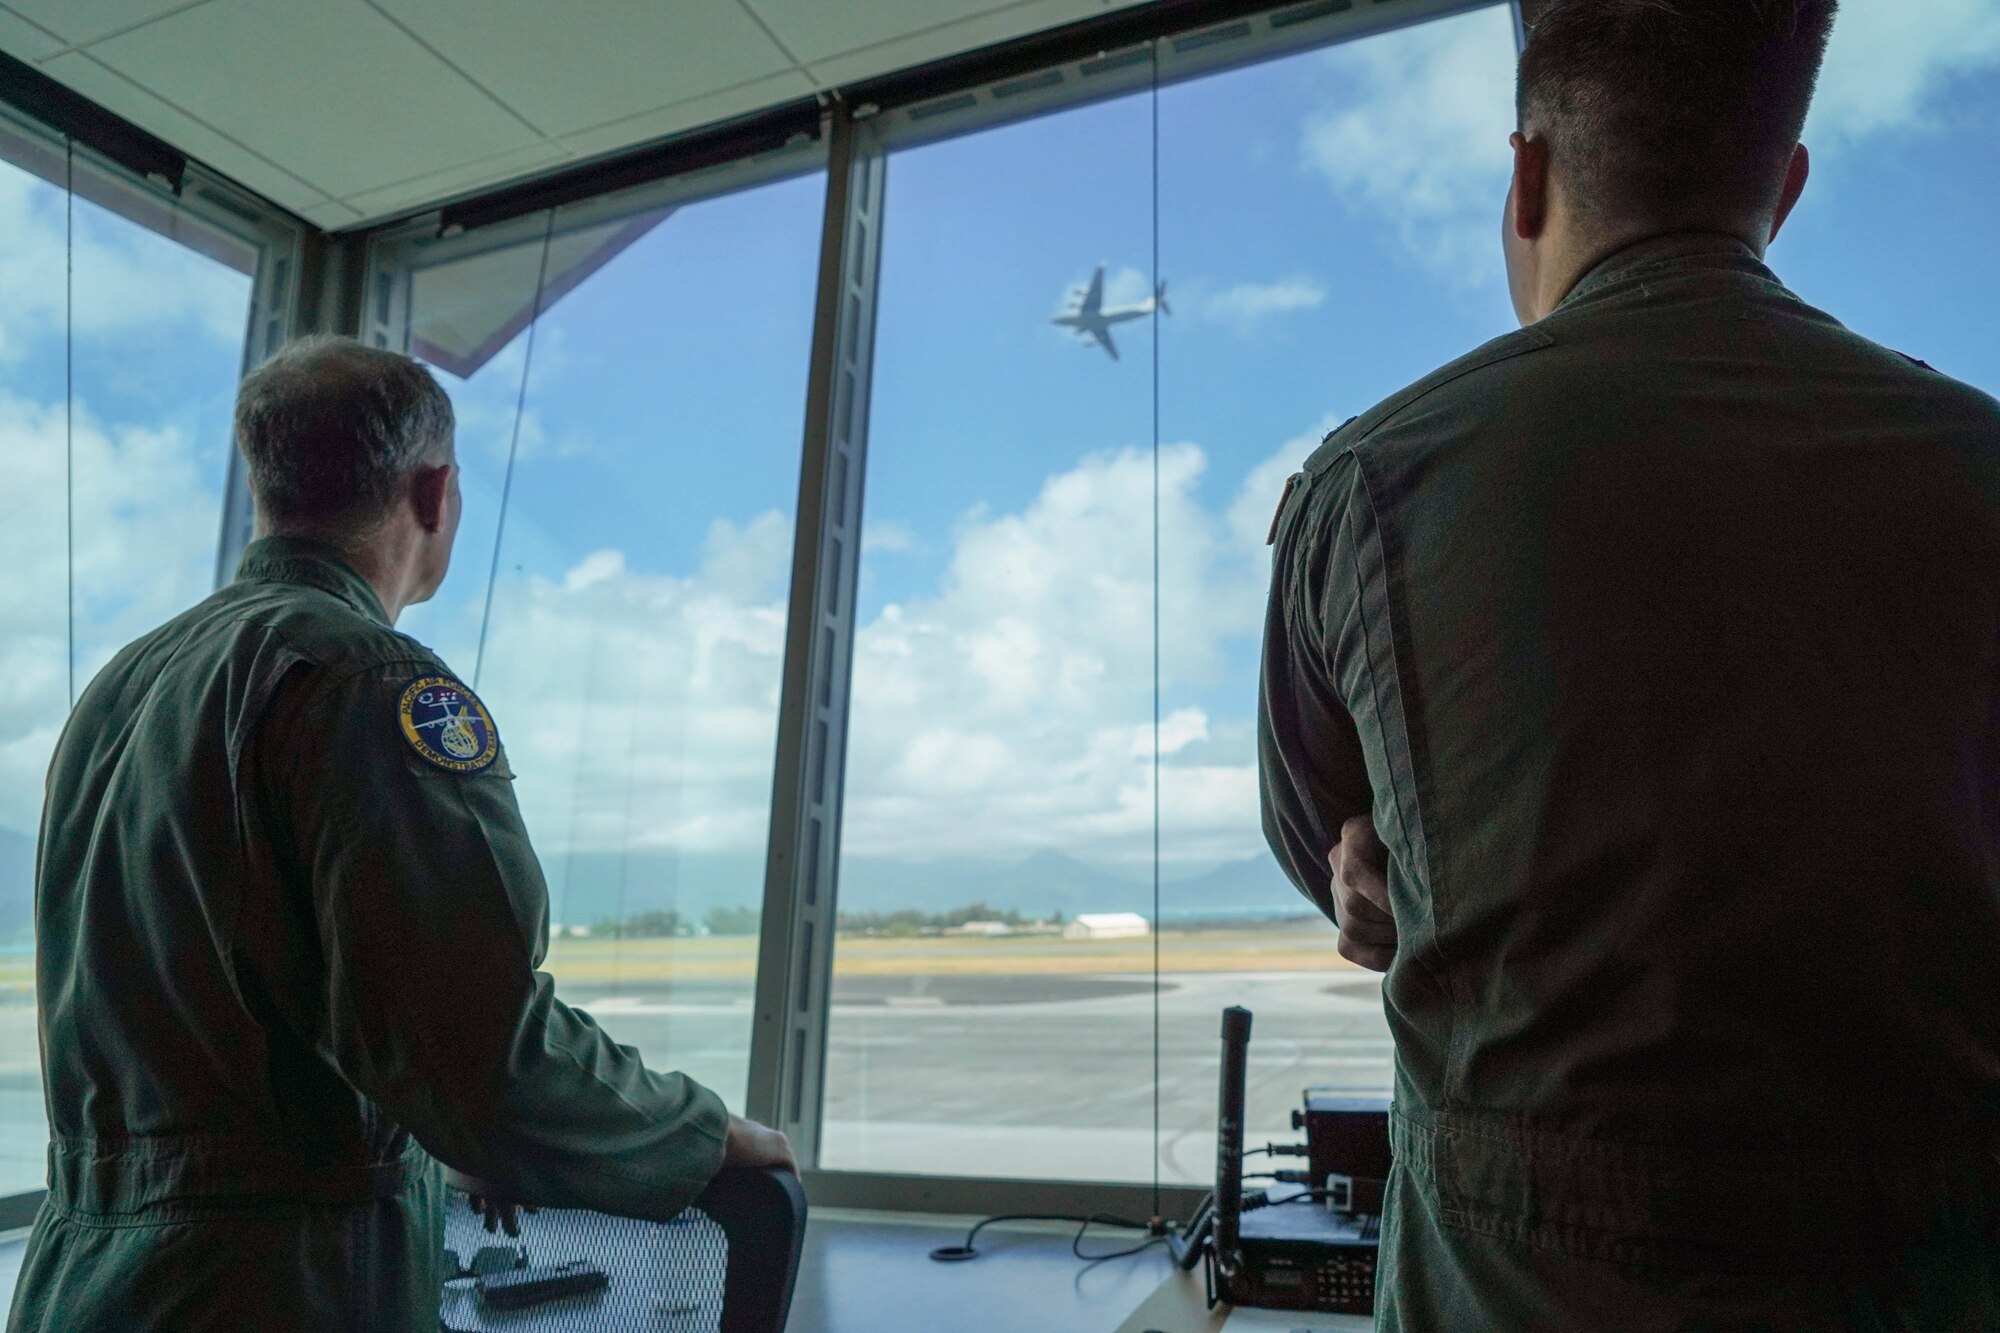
(726, 1265)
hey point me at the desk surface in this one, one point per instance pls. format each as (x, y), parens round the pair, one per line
(868, 1273)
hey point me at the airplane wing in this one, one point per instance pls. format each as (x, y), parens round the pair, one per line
(1103, 336)
(1093, 299)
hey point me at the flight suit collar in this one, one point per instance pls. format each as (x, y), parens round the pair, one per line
(314, 564)
(1657, 254)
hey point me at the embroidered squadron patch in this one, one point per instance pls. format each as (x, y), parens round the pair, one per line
(445, 723)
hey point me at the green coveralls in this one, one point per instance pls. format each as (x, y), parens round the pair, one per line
(284, 962)
(1662, 641)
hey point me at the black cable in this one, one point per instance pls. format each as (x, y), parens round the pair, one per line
(69, 405)
(514, 446)
(1156, 624)
(949, 1254)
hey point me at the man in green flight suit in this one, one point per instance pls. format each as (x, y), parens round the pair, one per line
(289, 927)
(1631, 697)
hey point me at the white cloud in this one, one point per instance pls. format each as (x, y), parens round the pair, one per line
(122, 277)
(1248, 304)
(888, 538)
(638, 707)
(1005, 709)
(1416, 132)
(1891, 60)
(146, 506)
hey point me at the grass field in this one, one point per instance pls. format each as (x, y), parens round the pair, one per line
(1293, 948)
(1306, 948)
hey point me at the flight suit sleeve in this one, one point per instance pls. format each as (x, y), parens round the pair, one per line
(432, 919)
(1313, 772)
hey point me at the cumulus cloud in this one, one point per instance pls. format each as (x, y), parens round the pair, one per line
(146, 506)
(888, 538)
(123, 278)
(1891, 62)
(146, 499)
(1248, 304)
(1416, 133)
(1010, 709)
(639, 707)
(1005, 709)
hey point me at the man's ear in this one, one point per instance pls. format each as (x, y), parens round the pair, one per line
(1796, 176)
(428, 488)
(1531, 185)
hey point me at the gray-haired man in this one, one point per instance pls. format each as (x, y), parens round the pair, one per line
(290, 923)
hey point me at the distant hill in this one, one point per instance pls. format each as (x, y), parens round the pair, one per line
(599, 886)
(591, 887)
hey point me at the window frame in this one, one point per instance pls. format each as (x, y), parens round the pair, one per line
(223, 214)
(311, 281)
(797, 1067)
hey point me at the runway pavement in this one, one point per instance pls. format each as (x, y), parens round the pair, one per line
(1040, 1076)
(1031, 1076)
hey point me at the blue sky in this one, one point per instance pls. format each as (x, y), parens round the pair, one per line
(1328, 228)
(1327, 224)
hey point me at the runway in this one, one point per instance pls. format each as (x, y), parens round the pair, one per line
(1039, 1076)
(1027, 1076)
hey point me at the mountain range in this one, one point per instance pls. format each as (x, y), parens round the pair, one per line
(589, 887)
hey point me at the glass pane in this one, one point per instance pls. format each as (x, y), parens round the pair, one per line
(1330, 235)
(997, 757)
(153, 344)
(1330, 223)
(634, 646)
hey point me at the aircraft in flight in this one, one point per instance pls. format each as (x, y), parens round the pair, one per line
(1092, 320)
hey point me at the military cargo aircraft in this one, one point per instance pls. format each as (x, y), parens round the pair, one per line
(1092, 320)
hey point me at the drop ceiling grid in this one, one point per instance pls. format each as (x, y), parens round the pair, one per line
(350, 111)
(81, 22)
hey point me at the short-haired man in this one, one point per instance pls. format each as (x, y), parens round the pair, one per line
(289, 923)
(1639, 671)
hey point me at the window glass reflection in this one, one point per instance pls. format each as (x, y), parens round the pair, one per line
(119, 356)
(631, 643)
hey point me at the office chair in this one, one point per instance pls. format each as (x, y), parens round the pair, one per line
(726, 1265)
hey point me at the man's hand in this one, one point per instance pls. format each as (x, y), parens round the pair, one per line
(752, 1144)
(1361, 896)
(500, 1212)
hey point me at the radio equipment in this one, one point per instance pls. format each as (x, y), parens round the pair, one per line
(1299, 1245)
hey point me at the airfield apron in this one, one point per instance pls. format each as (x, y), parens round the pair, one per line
(289, 928)
(1661, 639)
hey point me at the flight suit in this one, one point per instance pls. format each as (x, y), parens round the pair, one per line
(1661, 640)
(289, 925)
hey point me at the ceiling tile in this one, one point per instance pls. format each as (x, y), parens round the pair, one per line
(80, 21)
(686, 115)
(199, 141)
(25, 41)
(567, 67)
(813, 29)
(411, 195)
(950, 39)
(328, 85)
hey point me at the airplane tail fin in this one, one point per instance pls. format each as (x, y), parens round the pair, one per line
(1160, 295)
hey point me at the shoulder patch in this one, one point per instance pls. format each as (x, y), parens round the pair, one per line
(446, 725)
